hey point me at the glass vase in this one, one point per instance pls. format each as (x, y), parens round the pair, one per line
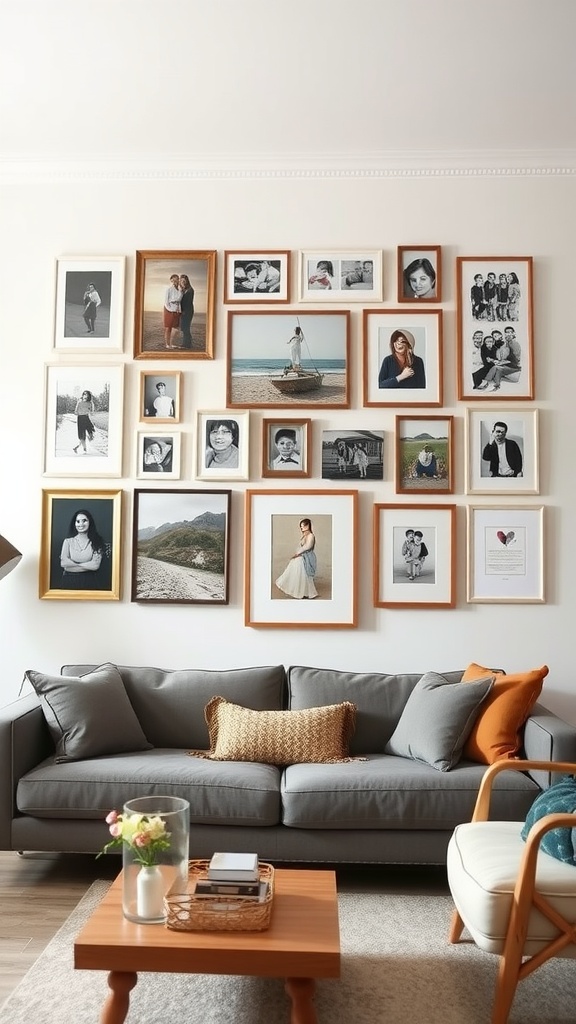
(149, 876)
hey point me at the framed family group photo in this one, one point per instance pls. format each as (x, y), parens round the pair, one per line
(353, 276)
(301, 559)
(402, 357)
(83, 420)
(495, 328)
(80, 553)
(424, 458)
(505, 554)
(286, 448)
(288, 359)
(502, 451)
(257, 276)
(89, 314)
(415, 556)
(181, 546)
(419, 273)
(174, 311)
(223, 445)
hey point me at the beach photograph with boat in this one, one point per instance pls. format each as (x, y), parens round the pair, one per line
(288, 359)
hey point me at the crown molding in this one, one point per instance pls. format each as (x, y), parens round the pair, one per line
(215, 166)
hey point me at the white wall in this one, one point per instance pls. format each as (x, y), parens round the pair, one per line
(469, 214)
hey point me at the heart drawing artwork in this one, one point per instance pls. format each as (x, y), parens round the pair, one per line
(505, 538)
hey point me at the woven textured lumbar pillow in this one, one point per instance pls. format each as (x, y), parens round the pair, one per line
(278, 737)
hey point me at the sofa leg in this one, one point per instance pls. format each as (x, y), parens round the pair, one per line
(456, 927)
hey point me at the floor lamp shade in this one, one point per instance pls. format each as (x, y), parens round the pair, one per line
(9, 557)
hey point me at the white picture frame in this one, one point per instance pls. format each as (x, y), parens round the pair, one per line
(505, 554)
(158, 455)
(522, 435)
(75, 329)
(83, 439)
(354, 275)
(222, 445)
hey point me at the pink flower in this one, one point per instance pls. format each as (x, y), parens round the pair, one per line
(141, 839)
(112, 817)
(115, 830)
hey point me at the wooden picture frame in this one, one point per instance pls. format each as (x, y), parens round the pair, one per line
(495, 304)
(84, 406)
(288, 359)
(314, 594)
(422, 329)
(158, 455)
(352, 455)
(505, 562)
(89, 309)
(256, 276)
(180, 546)
(350, 276)
(419, 273)
(189, 333)
(406, 575)
(502, 451)
(286, 448)
(80, 554)
(424, 461)
(160, 396)
(223, 445)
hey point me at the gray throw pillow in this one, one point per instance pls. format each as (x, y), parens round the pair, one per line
(437, 719)
(88, 715)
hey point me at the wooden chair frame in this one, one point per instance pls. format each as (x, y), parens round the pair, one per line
(514, 967)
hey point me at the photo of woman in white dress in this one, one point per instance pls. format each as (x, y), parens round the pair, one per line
(297, 580)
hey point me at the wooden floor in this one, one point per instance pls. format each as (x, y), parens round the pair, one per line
(39, 891)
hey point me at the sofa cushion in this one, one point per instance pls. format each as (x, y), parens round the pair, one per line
(170, 704)
(219, 793)
(88, 715)
(558, 799)
(437, 720)
(379, 698)
(496, 732)
(278, 737)
(385, 792)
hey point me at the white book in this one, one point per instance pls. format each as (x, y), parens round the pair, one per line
(240, 867)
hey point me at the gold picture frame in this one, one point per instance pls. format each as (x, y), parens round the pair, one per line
(189, 332)
(80, 554)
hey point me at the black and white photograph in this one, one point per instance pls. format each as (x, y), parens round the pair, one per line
(286, 447)
(257, 276)
(415, 547)
(158, 453)
(353, 276)
(160, 396)
(495, 339)
(80, 554)
(424, 460)
(502, 451)
(90, 304)
(83, 420)
(222, 445)
(419, 273)
(402, 357)
(352, 455)
(180, 546)
(174, 312)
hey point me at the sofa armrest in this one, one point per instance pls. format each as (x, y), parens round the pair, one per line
(548, 738)
(24, 743)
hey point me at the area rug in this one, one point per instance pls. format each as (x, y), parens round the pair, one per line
(397, 968)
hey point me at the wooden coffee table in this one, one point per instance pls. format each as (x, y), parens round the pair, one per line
(301, 944)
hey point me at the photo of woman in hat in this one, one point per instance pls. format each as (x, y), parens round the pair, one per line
(402, 368)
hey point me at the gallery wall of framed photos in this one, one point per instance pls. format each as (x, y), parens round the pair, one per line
(379, 320)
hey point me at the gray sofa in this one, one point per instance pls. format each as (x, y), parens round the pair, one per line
(379, 808)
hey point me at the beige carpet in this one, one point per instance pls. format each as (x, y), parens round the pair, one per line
(397, 968)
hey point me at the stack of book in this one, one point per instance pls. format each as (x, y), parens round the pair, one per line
(232, 874)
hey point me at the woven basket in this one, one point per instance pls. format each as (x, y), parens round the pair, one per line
(186, 912)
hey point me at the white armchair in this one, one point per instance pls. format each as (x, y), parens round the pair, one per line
(514, 899)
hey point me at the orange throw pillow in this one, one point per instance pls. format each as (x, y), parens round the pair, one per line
(496, 732)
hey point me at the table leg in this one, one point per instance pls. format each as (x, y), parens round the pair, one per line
(301, 992)
(117, 1002)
